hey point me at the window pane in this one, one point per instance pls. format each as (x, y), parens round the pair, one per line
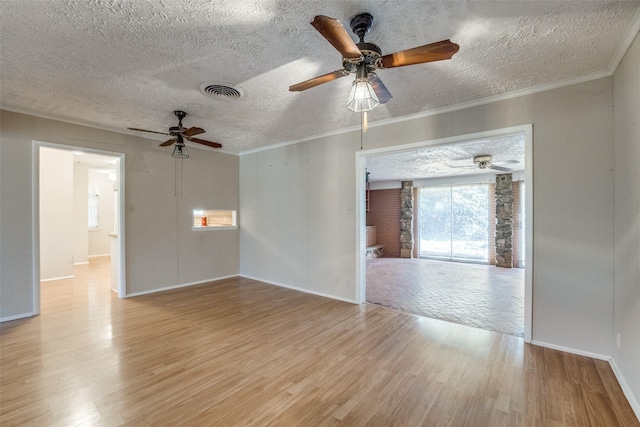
(454, 222)
(470, 222)
(93, 211)
(435, 222)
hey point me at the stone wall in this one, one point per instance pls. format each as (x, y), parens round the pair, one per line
(504, 220)
(406, 220)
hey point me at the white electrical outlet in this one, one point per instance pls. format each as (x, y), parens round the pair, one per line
(618, 339)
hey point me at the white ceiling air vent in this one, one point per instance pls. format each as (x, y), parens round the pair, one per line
(225, 91)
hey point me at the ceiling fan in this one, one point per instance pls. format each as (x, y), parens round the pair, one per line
(179, 134)
(364, 58)
(485, 162)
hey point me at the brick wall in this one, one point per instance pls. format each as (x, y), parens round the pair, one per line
(384, 212)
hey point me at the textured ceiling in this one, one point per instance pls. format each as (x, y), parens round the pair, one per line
(115, 64)
(448, 161)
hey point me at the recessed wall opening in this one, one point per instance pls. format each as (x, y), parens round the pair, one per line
(214, 219)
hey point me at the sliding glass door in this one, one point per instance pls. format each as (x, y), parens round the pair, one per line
(454, 222)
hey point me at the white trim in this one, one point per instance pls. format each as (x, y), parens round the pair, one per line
(625, 43)
(572, 350)
(79, 263)
(215, 227)
(17, 316)
(182, 285)
(360, 217)
(633, 401)
(35, 226)
(528, 233)
(57, 278)
(99, 256)
(361, 227)
(295, 288)
(122, 259)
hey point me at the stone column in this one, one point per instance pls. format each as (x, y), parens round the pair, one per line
(406, 220)
(504, 220)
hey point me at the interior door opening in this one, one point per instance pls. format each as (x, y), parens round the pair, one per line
(79, 197)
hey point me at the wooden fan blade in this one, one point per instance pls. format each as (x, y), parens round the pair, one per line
(168, 142)
(150, 131)
(203, 142)
(318, 81)
(193, 131)
(332, 30)
(438, 51)
(380, 89)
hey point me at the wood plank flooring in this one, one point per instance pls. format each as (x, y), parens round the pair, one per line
(241, 352)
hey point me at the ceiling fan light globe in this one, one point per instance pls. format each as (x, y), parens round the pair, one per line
(362, 96)
(180, 152)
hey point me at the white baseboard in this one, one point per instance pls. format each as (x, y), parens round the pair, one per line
(572, 350)
(17, 316)
(182, 285)
(633, 401)
(98, 256)
(57, 278)
(295, 288)
(81, 263)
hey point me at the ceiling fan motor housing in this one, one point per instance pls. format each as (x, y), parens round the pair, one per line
(361, 24)
(371, 53)
(483, 162)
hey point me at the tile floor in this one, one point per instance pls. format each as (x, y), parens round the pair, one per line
(481, 296)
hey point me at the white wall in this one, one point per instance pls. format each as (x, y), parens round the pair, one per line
(99, 243)
(626, 97)
(159, 250)
(56, 214)
(299, 227)
(80, 214)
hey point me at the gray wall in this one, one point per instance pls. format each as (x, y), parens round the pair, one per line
(299, 226)
(626, 97)
(161, 249)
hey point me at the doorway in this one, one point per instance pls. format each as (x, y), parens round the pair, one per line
(78, 198)
(454, 143)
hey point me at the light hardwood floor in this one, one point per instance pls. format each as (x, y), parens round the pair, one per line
(241, 352)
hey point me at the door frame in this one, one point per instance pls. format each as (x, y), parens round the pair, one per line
(361, 217)
(120, 168)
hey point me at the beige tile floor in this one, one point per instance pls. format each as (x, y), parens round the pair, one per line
(481, 296)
